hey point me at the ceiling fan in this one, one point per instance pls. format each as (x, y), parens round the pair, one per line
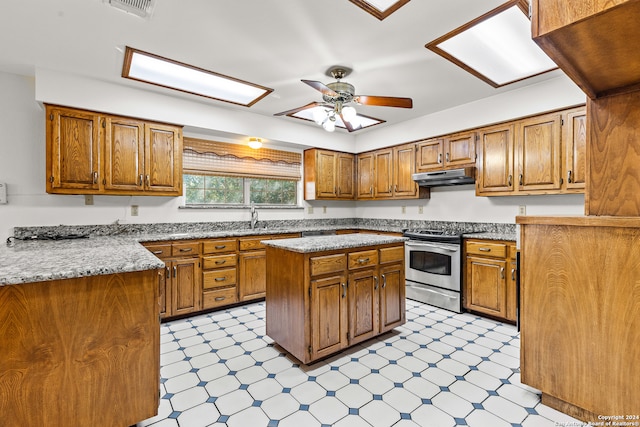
(337, 95)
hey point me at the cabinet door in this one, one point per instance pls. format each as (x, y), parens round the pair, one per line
(495, 155)
(365, 176)
(253, 272)
(345, 173)
(164, 292)
(163, 158)
(383, 172)
(392, 297)
(576, 147)
(329, 322)
(404, 165)
(430, 155)
(512, 297)
(325, 174)
(538, 152)
(73, 150)
(460, 150)
(486, 286)
(185, 286)
(124, 154)
(363, 305)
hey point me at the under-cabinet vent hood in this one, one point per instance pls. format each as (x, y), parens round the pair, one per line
(444, 178)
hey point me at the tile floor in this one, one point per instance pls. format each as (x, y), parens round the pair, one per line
(439, 369)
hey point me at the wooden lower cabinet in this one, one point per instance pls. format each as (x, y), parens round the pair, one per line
(490, 278)
(253, 266)
(82, 351)
(184, 282)
(320, 303)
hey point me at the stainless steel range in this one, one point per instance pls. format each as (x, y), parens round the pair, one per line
(433, 271)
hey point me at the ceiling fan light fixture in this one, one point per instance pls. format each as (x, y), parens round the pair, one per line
(319, 116)
(349, 113)
(330, 124)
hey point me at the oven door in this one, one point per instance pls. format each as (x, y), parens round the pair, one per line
(433, 263)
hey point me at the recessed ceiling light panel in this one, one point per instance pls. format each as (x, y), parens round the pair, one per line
(497, 47)
(156, 70)
(359, 122)
(380, 8)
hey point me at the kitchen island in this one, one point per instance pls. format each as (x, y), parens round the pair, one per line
(328, 293)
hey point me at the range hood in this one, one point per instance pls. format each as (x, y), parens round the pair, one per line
(449, 177)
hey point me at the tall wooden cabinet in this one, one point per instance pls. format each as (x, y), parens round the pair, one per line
(328, 175)
(92, 153)
(365, 176)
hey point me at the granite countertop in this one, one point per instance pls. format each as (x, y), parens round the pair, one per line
(329, 243)
(489, 235)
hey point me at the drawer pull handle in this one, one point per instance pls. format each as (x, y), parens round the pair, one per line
(513, 274)
(95, 177)
(160, 252)
(221, 298)
(447, 158)
(363, 260)
(220, 262)
(375, 282)
(140, 180)
(220, 246)
(384, 281)
(439, 157)
(484, 249)
(186, 249)
(220, 279)
(509, 181)
(344, 290)
(168, 273)
(502, 272)
(569, 180)
(520, 180)
(175, 271)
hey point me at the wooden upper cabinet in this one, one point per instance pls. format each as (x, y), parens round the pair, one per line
(460, 150)
(538, 153)
(365, 176)
(575, 140)
(404, 165)
(124, 154)
(91, 153)
(591, 41)
(430, 155)
(495, 160)
(73, 150)
(328, 175)
(163, 158)
(383, 167)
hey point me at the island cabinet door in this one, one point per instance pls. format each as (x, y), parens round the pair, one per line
(329, 321)
(392, 297)
(363, 305)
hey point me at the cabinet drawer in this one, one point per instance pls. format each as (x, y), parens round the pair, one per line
(219, 297)
(363, 259)
(186, 248)
(395, 254)
(219, 246)
(251, 243)
(219, 261)
(218, 278)
(497, 250)
(161, 250)
(328, 264)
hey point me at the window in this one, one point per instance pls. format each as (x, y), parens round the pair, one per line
(228, 190)
(222, 174)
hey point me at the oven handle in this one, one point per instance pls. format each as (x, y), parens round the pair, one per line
(431, 245)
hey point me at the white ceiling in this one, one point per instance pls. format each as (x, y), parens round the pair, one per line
(273, 43)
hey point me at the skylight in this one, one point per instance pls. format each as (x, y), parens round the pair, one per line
(496, 47)
(359, 120)
(380, 8)
(153, 69)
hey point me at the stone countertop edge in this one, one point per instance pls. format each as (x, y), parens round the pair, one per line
(332, 242)
(489, 235)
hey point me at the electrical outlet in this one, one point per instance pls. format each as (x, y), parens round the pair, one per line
(324, 209)
(420, 209)
(134, 210)
(404, 209)
(522, 210)
(88, 199)
(310, 209)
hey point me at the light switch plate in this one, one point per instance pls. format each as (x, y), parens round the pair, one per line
(3, 193)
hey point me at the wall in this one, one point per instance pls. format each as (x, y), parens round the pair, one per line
(22, 160)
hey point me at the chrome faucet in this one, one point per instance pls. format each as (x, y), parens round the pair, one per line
(254, 217)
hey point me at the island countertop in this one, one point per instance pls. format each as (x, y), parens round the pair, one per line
(333, 242)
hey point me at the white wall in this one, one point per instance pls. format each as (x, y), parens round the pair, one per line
(22, 156)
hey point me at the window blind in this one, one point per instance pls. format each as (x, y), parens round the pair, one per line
(205, 157)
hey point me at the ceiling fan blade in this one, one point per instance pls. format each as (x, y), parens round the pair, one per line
(304, 107)
(348, 125)
(384, 101)
(320, 87)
